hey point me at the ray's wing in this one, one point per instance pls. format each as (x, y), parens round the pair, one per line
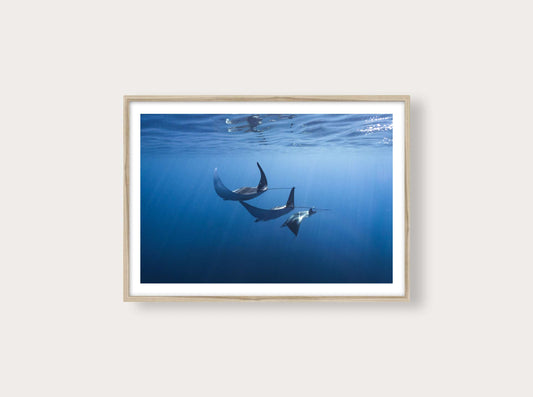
(222, 190)
(242, 193)
(259, 213)
(294, 225)
(263, 184)
(294, 222)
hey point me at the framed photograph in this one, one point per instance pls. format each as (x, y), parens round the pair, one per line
(266, 198)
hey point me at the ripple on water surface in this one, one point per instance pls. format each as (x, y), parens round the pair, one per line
(206, 133)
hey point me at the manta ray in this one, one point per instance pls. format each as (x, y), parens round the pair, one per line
(273, 213)
(242, 193)
(295, 220)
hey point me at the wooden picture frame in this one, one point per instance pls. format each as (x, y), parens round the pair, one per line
(136, 105)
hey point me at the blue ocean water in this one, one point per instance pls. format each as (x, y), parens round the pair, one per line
(339, 163)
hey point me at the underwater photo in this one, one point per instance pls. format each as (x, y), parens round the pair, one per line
(266, 198)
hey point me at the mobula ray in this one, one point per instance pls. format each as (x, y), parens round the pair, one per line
(273, 213)
(242, 193)
(295, 220)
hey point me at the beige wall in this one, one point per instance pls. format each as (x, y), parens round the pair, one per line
(64, 69)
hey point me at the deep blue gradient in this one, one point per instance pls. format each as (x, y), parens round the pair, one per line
(337, 162)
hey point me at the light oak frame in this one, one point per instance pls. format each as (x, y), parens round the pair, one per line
(259, 98)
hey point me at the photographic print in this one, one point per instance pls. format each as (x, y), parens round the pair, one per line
(265, 199)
